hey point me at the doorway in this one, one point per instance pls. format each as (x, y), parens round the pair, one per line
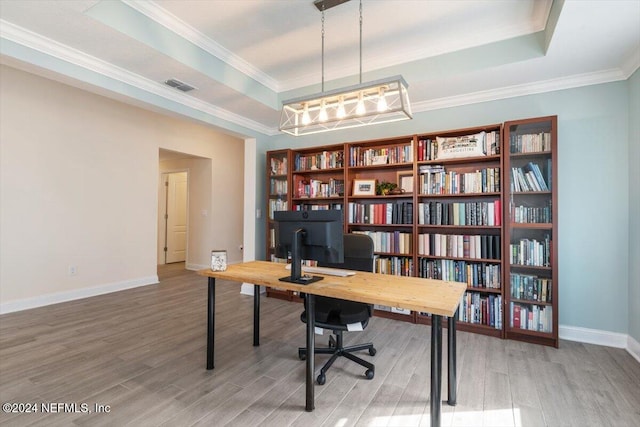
(175, 217)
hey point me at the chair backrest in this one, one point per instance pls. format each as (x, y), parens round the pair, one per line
(358, 253)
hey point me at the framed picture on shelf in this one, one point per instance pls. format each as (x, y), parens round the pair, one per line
(364, 187)
(405, 181)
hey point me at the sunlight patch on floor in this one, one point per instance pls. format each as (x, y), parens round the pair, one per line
(459, 418)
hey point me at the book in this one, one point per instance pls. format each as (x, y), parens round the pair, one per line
(515, 308)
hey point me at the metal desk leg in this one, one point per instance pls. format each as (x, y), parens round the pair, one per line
(436, 369)
(310, 304)
(452, 359)
(211, 321)
(256, 315)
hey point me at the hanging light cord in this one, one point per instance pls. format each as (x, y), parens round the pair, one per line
(360, 41)
(322, 49)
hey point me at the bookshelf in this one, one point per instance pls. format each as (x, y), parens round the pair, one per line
(531, 232)
(278, 199)
(318, 178)
(387, 219)
(453, 216)
(459, 228)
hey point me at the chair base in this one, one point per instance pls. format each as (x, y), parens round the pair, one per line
(336, 349)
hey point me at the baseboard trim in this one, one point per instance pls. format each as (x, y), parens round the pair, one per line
(633, 347)
(58, 297)
(247, 289)
(593, 336)
(196, 267)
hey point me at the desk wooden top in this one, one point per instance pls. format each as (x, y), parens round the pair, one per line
(428, 295)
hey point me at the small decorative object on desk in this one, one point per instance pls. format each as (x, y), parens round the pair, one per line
(218, 260)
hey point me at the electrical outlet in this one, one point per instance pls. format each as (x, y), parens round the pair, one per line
(73, 270)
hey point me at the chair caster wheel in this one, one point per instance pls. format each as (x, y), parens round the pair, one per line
(302, 355)
(369, 374)
(321, 379)
(372, 351)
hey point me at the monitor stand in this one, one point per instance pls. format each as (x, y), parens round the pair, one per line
(302, 280)
(296, 264)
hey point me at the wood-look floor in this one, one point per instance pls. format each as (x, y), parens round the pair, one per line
(142, 353)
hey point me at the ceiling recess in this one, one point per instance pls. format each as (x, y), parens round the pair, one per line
(175, 83)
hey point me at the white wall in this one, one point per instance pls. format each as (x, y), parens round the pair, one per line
(78, 186)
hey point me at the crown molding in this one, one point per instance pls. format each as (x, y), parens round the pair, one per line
(156, 13)
(631, 64)
(80, 59)
(544, 86)
(73, 56)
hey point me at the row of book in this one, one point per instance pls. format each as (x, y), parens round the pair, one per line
(532, 214)
(380, 213)
(278, 186)
(530, 143)
(531, 288)
(279, 166)
(474, 274)
(528, 178)
(531, 252)
(532, 317)
(460, 213)
(473, 246)
(397, 266)
(276, 205)
(362, 156)
(490, 141)
(316, 206)
(318, 188)
(390, 242)
(436, 180)
(481, 309)
(324, 160)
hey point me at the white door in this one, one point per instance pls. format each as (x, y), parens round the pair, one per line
(176, 217)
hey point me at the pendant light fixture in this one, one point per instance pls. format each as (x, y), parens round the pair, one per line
(381, 101)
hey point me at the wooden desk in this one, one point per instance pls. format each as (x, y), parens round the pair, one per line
(440, 298)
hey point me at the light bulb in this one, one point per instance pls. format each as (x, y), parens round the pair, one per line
(341, 113)
(382, 101)
(323, 117)
(305, 115)
(360, 110)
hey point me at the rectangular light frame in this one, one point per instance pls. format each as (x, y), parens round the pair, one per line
(394, 90)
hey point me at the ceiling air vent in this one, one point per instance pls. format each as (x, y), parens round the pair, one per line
(179, 85)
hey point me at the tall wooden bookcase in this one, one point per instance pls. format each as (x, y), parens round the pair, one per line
(459, 230)
(531, 230)
(278, 181)
(387, 219)
(452, 218)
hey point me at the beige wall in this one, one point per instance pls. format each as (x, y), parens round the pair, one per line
(78, 186)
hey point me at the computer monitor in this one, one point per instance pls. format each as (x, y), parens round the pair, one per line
(311, 235)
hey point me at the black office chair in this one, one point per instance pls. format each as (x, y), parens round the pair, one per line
(335, 314)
